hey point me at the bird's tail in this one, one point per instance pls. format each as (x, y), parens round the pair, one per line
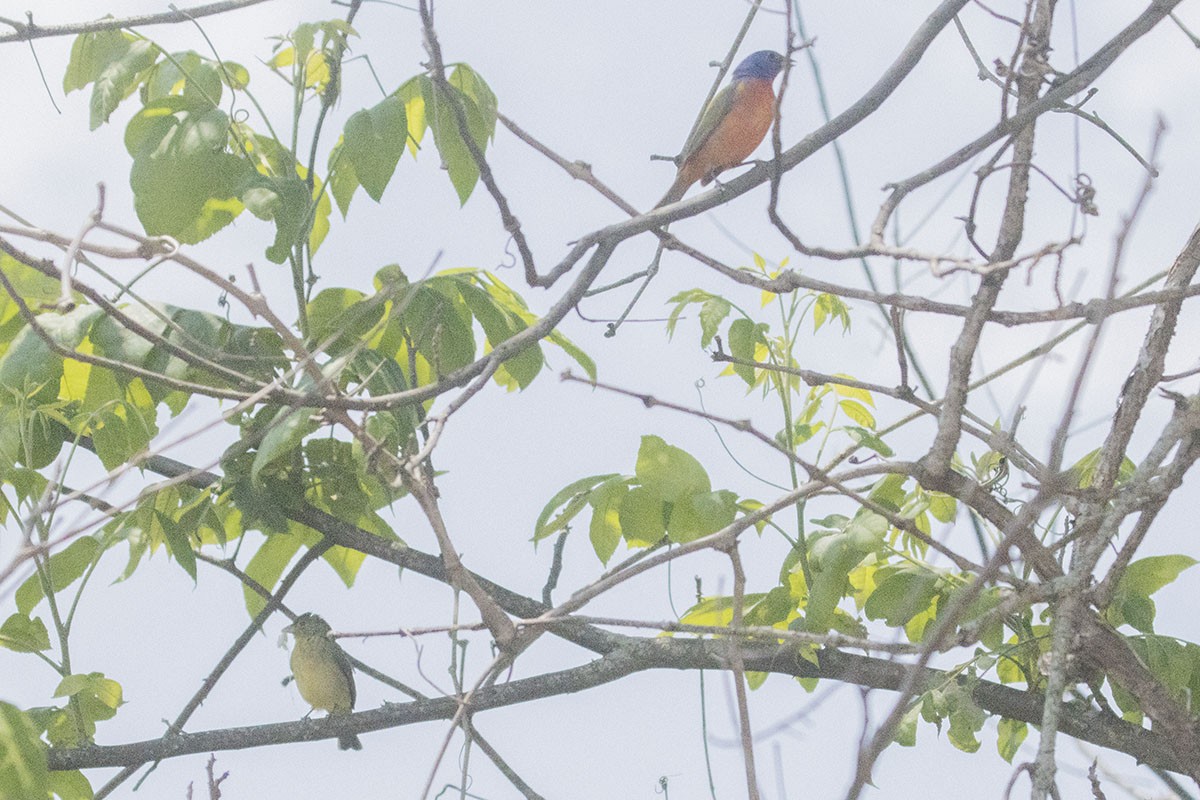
(349, 742)
(677, 190)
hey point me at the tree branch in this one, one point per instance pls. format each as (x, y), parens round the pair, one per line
(30, 30)
(639, 655)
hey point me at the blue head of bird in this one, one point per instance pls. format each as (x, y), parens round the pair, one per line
(760, 65)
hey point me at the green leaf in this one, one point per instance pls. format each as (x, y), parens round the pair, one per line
(857, 412)
(605, 529)
(266, 566)
(69, 785)
(284, 200)
(701, 514)
(888, 491)
(714, 310)
(901, 596)
(906, 731)
(714, 611)
(1135, 610)
(437, 320)
(527, 362)
(1147, 575)
(866, 530)
(64, 568)
(184, 183)
(12, 421)
(179, 543)
(234, 75)
(852, 392)
(1010, 734)
(24, 634)
(191, 75)
(570, 348)
(99, 697)
(250, 350)
(23, 770)
(336, 478)
(1085, 469)
(383, 376)
(831, 558)
(115, 341)
(341, 318)
(682, 300)
(744, 336)
(114, 61)
(343, 180)
(643, 518)
(277, 189)
(101, 390)
(36, 289)
(943, 507)
(833, 521)
(287, 429)
(41, 437)
(868, 439)
(187, 198)
(282, 195)
(1131, 603)
(413, 92)
(119, 432)
(830, 307)
(774, 608)
(319, 217)
(966, 719)
(263, 503)
(498, 315)
(1171, 661)
(107, 692)
(570, 499)
(63, 728)
(801, 433)
(30, 366)
(468, 81)
(90, 54)
(373, 142)
(478, 106)
(119, 78)
(669, 472)
(345, 563)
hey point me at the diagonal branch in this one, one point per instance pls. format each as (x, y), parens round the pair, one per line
(1148, 370)
(438, 72)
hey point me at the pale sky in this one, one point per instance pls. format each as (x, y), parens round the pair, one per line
(611, 83)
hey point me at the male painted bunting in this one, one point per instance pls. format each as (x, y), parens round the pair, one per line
(732, 126)
(323, 672)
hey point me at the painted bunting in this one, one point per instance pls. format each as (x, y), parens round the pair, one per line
(732, 126)
(323, 672)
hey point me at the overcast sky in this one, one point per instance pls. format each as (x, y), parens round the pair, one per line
(611, 83)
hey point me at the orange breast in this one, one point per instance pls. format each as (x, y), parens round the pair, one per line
(740, 133)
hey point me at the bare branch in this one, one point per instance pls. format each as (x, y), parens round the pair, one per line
(26, 31)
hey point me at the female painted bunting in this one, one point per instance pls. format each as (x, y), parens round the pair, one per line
(323, 672)
(732, 126)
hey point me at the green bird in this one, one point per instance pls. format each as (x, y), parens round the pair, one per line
(323, 672)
